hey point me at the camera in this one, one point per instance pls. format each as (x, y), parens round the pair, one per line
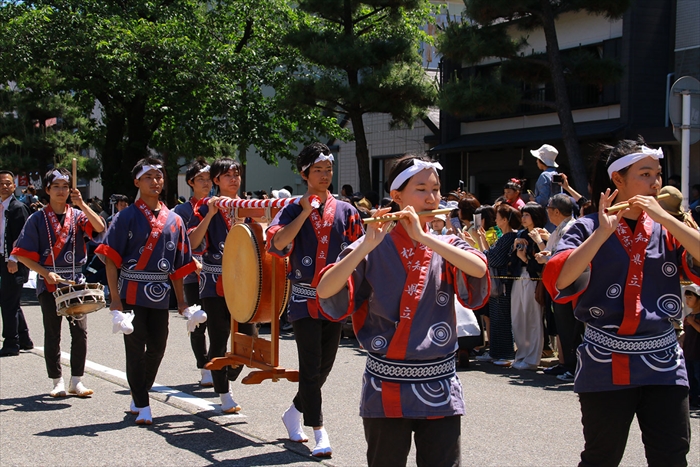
(557, 178)
(520, 246)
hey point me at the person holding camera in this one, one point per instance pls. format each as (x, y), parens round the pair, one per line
(546, 186)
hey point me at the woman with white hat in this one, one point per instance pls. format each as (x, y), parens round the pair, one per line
(545, 156)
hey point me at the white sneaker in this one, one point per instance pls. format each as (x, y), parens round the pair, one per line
(206, 381)
(59, 388)
(228, 405)
(145, 417)
(503, 362)
(485, 357)
(292, 419)
(76, 387)
(323, 444)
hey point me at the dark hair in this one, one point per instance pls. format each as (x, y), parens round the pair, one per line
(372, 197)
(309, 154)
(50, 177)
(488, 215)
(7, 172)
(514, 184)
(143, 162)
(195, 167)
(604, 157)
(221, 166)
(118, 198)
(31, 189)
(563, 203)
(467, 207)
(537, 212)
(289, 189)
(402, 163)
(507, 211)
(347, 189)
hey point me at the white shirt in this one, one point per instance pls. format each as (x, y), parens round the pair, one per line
(558, 234)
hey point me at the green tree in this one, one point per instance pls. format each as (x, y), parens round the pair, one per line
(185, 77)
(484, 34)
(39, 129)
(363, 58)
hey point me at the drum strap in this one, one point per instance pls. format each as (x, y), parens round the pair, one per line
(322, 229)
(157, 226)
(62, 236)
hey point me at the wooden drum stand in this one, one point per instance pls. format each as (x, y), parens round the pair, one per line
(256, 290)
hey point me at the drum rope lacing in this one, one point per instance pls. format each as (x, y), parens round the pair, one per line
(72, 318)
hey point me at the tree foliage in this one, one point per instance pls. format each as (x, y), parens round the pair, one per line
(184, 77)
(483, 34)
(363, 57)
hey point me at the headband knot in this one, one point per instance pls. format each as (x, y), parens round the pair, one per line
(321, 157)
(146, 168)
(629, 159)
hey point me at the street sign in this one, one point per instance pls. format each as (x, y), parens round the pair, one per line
(685, 84)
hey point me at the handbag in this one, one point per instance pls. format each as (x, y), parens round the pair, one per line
(540, 293)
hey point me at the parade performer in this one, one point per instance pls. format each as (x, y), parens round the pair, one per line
(52, 244)
(312, 237)
(209, 236)
(401, 288)
(622, 270)
(199, 179)
(149, 243)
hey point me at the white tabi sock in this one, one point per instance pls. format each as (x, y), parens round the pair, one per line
(292, 419)
(59, 388)
(206, 380)
(145, 417)
(323, 444)
(228, 405)
(76, 387)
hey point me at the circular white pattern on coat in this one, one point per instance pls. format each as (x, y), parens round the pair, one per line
(442, 298)
(68, 257)
(614, 291)
(131, 234)
(668, 360)
(596, 354)
(170, 245)
(669, 304)
(221, 246)
(378, 343)
(669, 269)
(306, 261)
(433, 394)
(216, 256)
(155, 292)
(164, 265)
(141, 249)
(440, 333)
(297, 274)
(343, 246)
(596, 312)
(377, 387)
(47, 252)
(202, 281)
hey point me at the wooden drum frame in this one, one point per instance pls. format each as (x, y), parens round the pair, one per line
(79, 299)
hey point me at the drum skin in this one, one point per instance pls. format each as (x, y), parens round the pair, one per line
(247, 276)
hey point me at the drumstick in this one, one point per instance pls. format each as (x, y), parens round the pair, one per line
(75, 172)
(397, 217)
(66, 281)
(619, 207)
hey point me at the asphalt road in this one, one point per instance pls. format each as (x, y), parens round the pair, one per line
(514, 418)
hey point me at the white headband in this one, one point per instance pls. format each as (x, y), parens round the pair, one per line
(321, 157)
(59, 176)
(630, 159)
(146, 168)
(205, 169)
(411, 170)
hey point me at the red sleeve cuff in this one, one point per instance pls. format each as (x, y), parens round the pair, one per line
(34, 256)
(110, 253)
(351, 298)
(184, 271)
(269, 235)
(551, 273)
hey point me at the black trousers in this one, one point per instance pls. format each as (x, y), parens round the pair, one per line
(14, 326)
(198, 338)
(317, 344)
(52, 339)
(389, 441)
(662, 414)
(219, 327)
(570, 331)
(144, 350)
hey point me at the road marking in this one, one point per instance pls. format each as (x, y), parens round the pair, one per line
(170, 392)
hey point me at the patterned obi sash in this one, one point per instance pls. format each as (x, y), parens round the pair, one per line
(142, 276)
(411, 371)
(632, 345)
(303, 290)
(214, 269)
(63, 272)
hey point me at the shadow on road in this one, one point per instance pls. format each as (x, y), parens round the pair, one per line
(34, 403)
